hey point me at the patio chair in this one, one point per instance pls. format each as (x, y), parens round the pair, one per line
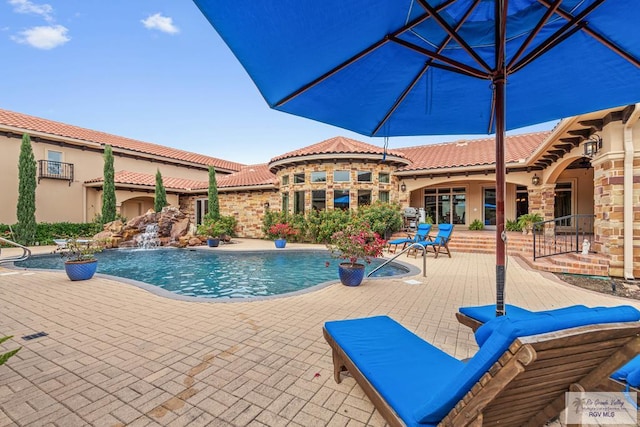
(441, 241)
(421, 235)
(518, 376)
(626, 378)
(60, 244)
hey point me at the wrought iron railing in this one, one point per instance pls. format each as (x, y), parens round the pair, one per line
(562, 235)
(48, 169)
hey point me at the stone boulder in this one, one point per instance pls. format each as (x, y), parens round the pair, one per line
(174, 228)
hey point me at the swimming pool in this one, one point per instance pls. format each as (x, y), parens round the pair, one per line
(222, 275)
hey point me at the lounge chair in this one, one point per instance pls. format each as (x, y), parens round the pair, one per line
(518, 376)
(421, 235)
(626, 378)
(441, 241)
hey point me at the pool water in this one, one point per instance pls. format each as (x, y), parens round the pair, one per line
(212, 274)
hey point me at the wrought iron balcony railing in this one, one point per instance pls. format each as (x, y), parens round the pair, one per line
(48, 169)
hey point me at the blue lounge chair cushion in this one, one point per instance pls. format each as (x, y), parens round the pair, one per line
(484, 313)
(630, 373)
(444, 397)
(401, 366)
(515, 313)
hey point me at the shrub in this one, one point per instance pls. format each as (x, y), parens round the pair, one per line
(526, 221)
(512, 225)
(356, 241)
(322, 224)
(476, 225)
(383, 218)
(281, 230)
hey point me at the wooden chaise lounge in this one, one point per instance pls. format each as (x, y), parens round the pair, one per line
(518, 376)
(476, 316)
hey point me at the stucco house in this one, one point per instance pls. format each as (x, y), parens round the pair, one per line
(588, 166)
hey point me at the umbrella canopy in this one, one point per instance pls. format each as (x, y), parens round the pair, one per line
(425, 67)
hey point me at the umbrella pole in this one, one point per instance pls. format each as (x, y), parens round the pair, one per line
(500, 100)
(500, 195)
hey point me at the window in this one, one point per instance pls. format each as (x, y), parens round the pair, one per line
(285, 179)
(364, 176)
(319, 200)
(364, 197)
(318, 177)
(298, 178)
(383, 178)
(446, 205)
(341, 199)
(298, 202)
(202, 208)
(54, 162)
(285, 202)
(341, 176)
(383, 196)
(522, 201)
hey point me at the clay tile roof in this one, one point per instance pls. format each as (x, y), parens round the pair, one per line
(471, 153)
(251, 175)
(135, 178)
(23, 121)
(338, 145)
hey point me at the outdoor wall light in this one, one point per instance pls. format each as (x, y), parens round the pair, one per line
(535, 180)
(403, 187)
(592, 145)
(266, 205)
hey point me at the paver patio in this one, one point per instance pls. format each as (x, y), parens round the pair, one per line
(119, 355)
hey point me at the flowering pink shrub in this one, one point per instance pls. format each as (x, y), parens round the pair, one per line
(281, 231)
(356, 241)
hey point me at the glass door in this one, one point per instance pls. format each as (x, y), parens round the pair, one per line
(489, 210)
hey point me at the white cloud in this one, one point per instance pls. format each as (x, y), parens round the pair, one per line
(160, 23)
(43, 37)
(26, 6)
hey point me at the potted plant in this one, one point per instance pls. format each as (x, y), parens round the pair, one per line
(356, 241)
(279, 232)
(212, 229)
(80, 262)
(527, 220)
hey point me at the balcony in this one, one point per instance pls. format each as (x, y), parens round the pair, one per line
(48, 169)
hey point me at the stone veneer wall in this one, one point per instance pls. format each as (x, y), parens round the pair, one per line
(247, 207)
(353, 185)
(542, 200)
(609, 213)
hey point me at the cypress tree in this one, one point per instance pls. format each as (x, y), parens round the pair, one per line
(26, 208)
(214, 204)
(108, 188)
(161, 193)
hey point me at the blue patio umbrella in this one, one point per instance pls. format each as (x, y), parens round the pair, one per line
(425, 67)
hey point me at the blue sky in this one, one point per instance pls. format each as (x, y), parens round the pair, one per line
(152, 70)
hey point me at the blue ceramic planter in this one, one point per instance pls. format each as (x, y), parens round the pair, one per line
(81, 270)
(280, 243)
(351, 274)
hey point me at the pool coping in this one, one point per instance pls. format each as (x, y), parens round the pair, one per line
(156, 290)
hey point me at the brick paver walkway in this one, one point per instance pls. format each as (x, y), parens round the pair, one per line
(118, 355)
